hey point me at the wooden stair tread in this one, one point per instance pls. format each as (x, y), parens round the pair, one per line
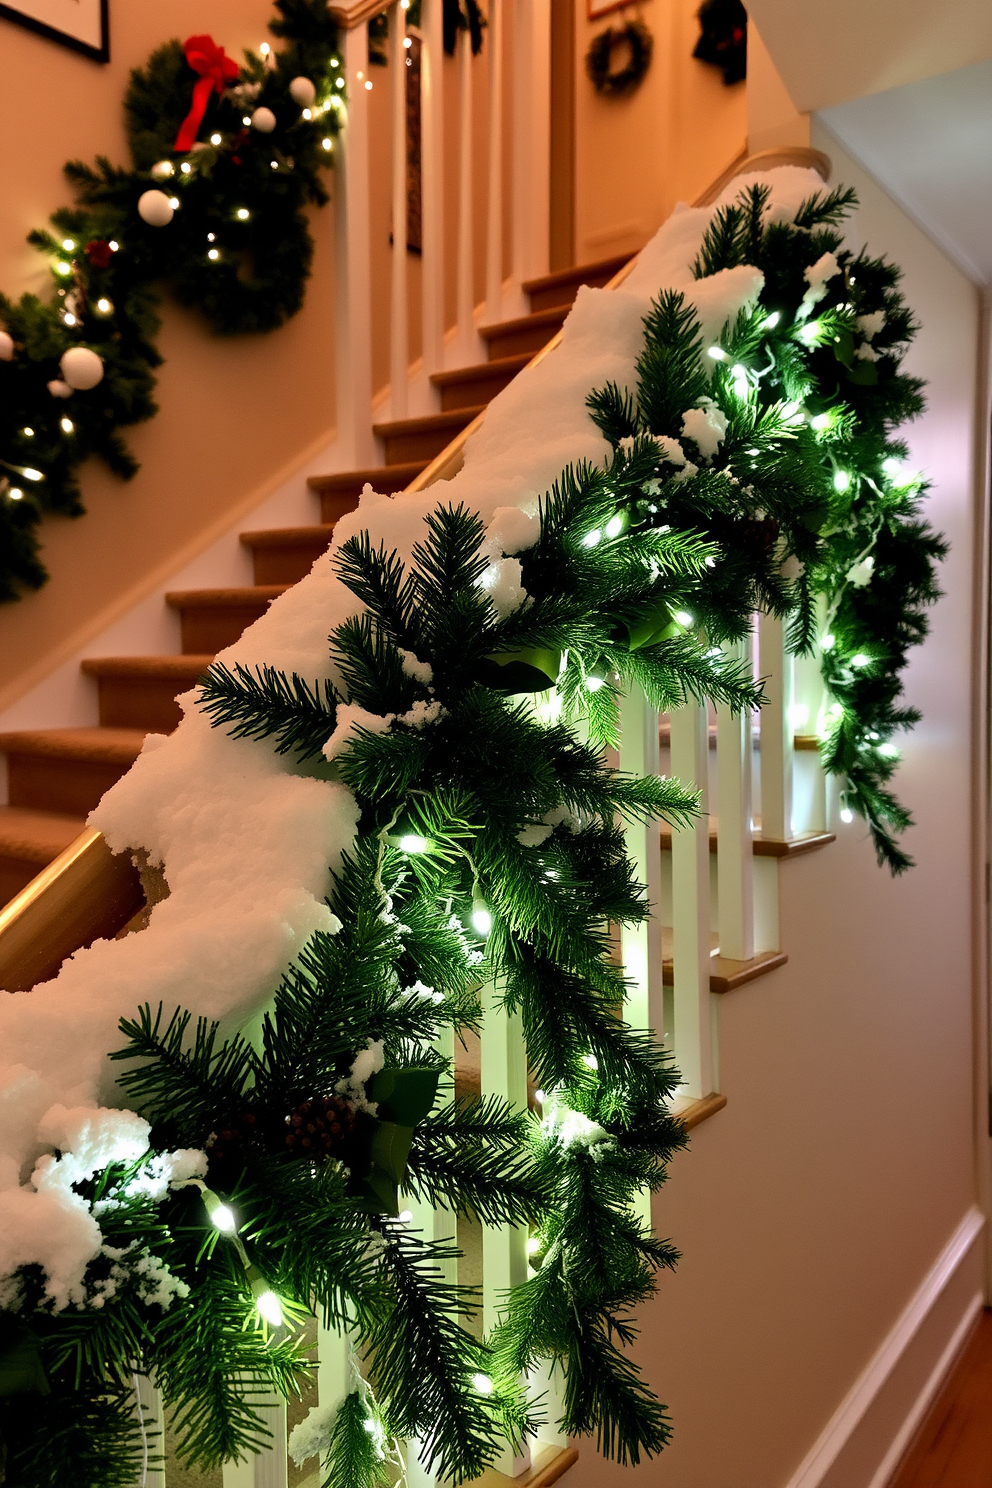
(453, 420)
(551, 319)
(767, 847)
(549, 1464)
(256, 594)
(405, 470)
(36, 836)
(181, 668)
(286, 537)
(117, 746)
(562, 286)
(482, 370)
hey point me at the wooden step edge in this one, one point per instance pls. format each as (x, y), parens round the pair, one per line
(222, 599)
(344, 480)
(30, 835)
(97, 745)
(184, 668)
(553, 316)
(287, 537)
(428, 423)
(574, 275)
(481, 370)
(691, 1112)
(767, 847)
(727, 975)
(550, 1464)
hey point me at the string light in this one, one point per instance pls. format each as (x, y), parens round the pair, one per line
(827, 643)
(533, 1245)
(540, 1097)
(482, 920)
(339, 83)
(482, 1383)
(15, 494)
(772, 321)
(215, 139)
(31, 474)
(594, 683)
(412, 842)
(889, 751)
(682, 617)
(185, 168)
(223, 1218)
(174, 202)
(246, 119)
(213, 254)
(592, 538)
(820, 422)
(614, 526)
(104, 305)
(327, 144)
(274, 164)
(407, 41)
(113, 245)
(717, 353)
(67, 425)
(242, 214)
(861, 660)
(842, 482)
(63, 268)
(264, 49)
(68, 318)
(368, 85)
(846, 814)
(405, 1216)
(28, 432)
(211, 237)
(269, 1307)
(68, 245)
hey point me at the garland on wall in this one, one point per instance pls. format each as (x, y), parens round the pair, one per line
(224, 160)
(268, 1179)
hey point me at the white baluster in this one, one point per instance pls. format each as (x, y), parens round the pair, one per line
(691, 910)
(531, 139)
(148, 1403)
(642, 944)
(399, 336)
(735, 856)
(504, 1247)
(776, 730)
(465, 297)
(494, 217)
(432, 183)
(353, 292)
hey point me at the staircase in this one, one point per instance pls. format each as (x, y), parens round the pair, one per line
(57, 776)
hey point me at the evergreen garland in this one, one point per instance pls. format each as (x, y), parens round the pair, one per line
(490, 854)
(238, 249)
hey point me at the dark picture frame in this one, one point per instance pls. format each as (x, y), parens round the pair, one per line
(25, 14)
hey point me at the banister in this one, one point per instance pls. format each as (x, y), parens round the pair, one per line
(87, 893)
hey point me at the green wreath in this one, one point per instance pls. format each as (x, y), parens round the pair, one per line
(225, 160)
(599, 59)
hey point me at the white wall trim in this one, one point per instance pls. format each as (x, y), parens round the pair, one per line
(862, 1394)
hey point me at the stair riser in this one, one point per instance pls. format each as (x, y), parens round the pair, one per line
(418, 444)
(52, 783)
(564, 294)
(147, 703)
(212, 627)
(286, 565)
(481, 389)
(512, 343)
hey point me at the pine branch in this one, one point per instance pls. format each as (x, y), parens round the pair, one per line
(267, 704)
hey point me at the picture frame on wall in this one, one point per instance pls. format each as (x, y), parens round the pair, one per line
(81, 25)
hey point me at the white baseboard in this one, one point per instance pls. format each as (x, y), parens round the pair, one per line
(858, 1401)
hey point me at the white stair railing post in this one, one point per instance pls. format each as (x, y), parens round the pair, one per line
(353, 287)
(432, 183)
(531, 140)
(466, 339)
(776, 668)
(641, 944)
(691, 910)
(494, 205)
(399, 336)
(151, 1412)
(504, 1247)
(735, 831)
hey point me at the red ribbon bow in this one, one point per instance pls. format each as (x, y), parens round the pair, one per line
(216, 71)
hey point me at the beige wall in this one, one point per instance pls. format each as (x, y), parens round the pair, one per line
(811, 1209)
(233, 412)
(637, 156)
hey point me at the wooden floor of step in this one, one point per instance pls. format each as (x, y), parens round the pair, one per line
(953, 1447)
(340, 492)
(139, 692)
(560, 288)
(528, 333)
(29, 840)
(468, 387)
(210, 619)
(66, 771)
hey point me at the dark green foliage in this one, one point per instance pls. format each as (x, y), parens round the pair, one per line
(354, 1460)
(254, 284)
(800, 490)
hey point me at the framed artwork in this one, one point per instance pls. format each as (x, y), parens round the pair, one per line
(81, 25)
(597, 8)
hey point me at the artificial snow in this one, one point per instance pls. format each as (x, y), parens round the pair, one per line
(707, 426)
(246, 840)
(311, 1437)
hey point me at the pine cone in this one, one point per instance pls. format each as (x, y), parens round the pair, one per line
(320, 1127)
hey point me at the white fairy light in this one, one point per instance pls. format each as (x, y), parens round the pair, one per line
(28, 432)
(592, 539)
(246, 119)
(69, 319)
(405, 1216)
(614, 526)
(533, 1245)
(482, 920)
(113, 246)
(594, 683)
(215, 139)
(63, 268)
(270, 1308)
(827, 644)
(846, 814)
(185, 168)
(327, 144)
(67, 425)
(590, 1061)
(242, 214)
(174, 202)
(15, 494)
(211, 237)
(407, 41)
(682, 617)
(771, 321)
(842, 482)
(891, 466)
(717, 353)
(482, 1383)
(368, 85)
(29, 473)
(862, 659)
(104, 305)
(889, 751)
(412, 842)
(213, 254)
(820, 421)
(68, 245)
(339, 82)
(223, 1218)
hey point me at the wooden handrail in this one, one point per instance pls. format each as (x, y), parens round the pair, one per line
(87, 892)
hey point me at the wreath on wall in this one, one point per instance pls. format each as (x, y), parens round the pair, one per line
(723, 38)
(634, 38)
(224, 160)
(757, 468)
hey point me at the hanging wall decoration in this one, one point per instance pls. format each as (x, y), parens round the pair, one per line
(81, 25)
(634, 44)
(723, 38)
(225, 158)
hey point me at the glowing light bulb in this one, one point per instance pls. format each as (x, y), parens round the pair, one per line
(889, 751)
(846, 814)
(412, 842)
(482, 920)
(827, 644)
(533, 1245)
(861, 659)
(614, 526)
(590, 1061)
(213, 254)
(224, 1219)
(482, 1383)
(113, 245)
(242, 214)
(246, 119)
(274, 164)
(717, 353)
(211, 237)
(264, 49)
(63, 268)
(307, 114)
(32, 475)
(28, 432)
(540, 1097)
(368, 85)
(407, 41)
(592, 539)
(185, 168)
(270, 1308)
(67, 425)
(891, 466)
(104, 305)
(68, 244)
(842, 481)
(215, 139)
(594, 683)
(406, 1216)
(682, 617)
(820, 421)
(174, 203)
(69, 318)
(15, 494)
(772, 321)
(327, 144)
(339, 83)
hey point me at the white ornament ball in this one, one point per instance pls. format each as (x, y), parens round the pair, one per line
(162, 170)
(155, 208)
(81, 368)
(6, 347)
(59, 389)
(264, 120)
(302, 91)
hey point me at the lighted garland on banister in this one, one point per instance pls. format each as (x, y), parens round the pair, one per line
(271, 1178)
(224, 160)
